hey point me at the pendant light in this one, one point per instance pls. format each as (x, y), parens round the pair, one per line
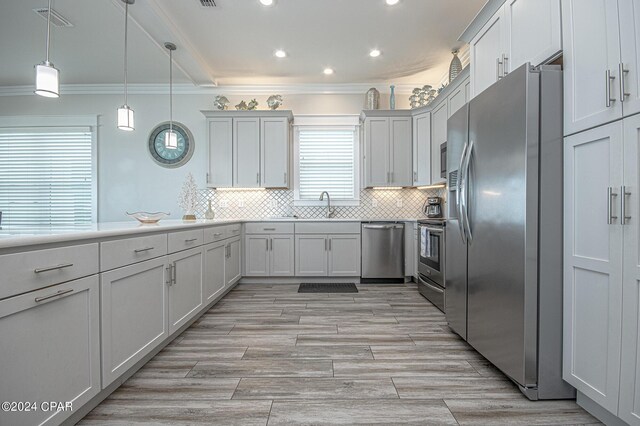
(170, 138)
(47, 76)
(125, 113)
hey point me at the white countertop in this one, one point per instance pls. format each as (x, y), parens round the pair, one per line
(10, 238)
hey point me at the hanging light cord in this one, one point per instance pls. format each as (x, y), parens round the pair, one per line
(126, 20)
(48, 30)
(170, 91)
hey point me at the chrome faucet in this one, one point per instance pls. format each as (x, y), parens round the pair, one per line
(329, 212)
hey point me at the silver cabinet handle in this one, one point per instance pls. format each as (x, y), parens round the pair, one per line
(169, 274)
(51, 296)
(217, 234)
(175, 273)
(52, 268)
(143, 249)
(505, 59)
(415, 177)
(235, 231)
(269, 229)
(623, 74)
(258, 178)
(190, 240)
(271, 244)
(325, 244)
(498, 73)
(610, 196)
(330, 243)
(623, 207)
(609, 78)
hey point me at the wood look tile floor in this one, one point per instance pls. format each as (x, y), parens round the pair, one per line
(267, 355)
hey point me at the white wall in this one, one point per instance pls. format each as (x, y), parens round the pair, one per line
(128, 179)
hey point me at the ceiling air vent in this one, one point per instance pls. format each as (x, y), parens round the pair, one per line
(208, 3)
(57, 20)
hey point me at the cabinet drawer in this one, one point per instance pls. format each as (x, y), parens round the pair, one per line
(268, 228)
(233, 230)
(23, 272)
(328, 228)
(114, 254)
(217, 233)
(183, 240)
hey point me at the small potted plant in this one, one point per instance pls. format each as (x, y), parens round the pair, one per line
(188, 199)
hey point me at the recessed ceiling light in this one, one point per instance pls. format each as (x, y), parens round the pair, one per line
(374, 53)
(328, 71)
(392, 2)
(266, 2)
(280, 54)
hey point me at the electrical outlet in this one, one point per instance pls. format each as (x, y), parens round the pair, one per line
(273, 204)
(399, 203)
(374, 202)
(223, 203)
(241, 203)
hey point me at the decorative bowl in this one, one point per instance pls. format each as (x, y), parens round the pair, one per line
(146, 217)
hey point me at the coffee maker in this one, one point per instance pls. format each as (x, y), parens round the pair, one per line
(433, 207)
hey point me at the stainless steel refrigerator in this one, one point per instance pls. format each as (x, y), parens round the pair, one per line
(504, 236)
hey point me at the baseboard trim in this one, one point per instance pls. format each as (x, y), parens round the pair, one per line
(597, 411)
(297, 280)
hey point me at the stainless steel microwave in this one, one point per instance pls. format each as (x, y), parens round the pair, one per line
(443, 160)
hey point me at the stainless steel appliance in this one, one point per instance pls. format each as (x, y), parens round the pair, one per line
(433, 207)
(431, 261)
(382, 251)
(504, 233)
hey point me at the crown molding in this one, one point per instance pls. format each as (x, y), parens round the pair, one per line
(230, 90)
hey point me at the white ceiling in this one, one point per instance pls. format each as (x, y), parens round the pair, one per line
(233, 44)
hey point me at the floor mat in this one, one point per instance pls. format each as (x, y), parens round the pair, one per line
(327, 288)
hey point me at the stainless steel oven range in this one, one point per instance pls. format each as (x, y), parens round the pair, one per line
(431, 253)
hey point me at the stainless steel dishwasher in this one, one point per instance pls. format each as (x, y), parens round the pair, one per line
(382, 251)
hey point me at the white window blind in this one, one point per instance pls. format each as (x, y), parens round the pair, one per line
(326, 163)
(46, 177)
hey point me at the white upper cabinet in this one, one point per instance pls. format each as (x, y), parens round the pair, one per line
(438, 136)
(246, 152)
(486, 54)
(630, 43)
(388, 148)
(220, 153)
(248, 149)
(274, 145)
(457, 99)
(520, 31)
(533, 32)
(422, 149)
(591, 60)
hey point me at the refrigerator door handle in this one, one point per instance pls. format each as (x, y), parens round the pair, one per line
(467, 167)
(459, 195)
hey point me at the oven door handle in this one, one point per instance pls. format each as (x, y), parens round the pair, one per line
(431, 286)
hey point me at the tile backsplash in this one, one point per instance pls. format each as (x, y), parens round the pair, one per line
(404, 203)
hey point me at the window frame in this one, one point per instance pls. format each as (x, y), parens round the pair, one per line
(334, 122)
(64, 121)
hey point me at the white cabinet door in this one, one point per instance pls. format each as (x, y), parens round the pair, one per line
(344, 255)
(311, 255)
(233, 265)
(220, 152)
(50, 349)
(274, 138)
(256, 255)
(457, 99)
(422, 149)
(533, 31)
(185, 292)
(214, 257)
(591, 40)
(400, 151)
(486, 50)
(630, 43)
(133, 315)
(376, 147)
(629, 408)
(246, 152)
(281, 256)
(438, 137)
(593, 263)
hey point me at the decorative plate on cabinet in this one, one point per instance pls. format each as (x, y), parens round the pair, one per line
(168, 157)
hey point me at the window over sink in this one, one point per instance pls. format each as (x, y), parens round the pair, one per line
(326, 159)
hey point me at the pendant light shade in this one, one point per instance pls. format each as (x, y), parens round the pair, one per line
(125, 113)
(125, 118)
(47, 76)
(170, 138)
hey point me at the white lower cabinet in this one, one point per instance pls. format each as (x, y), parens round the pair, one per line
(214, 270)
(322, 255)
(132, 295)
(602, 266)
(185, 288)
(269, 255)
(50, 350)
(256, 255)
(233, 262)
(281, 256)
